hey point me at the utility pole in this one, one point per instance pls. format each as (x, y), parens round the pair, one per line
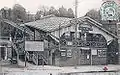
(75, 57)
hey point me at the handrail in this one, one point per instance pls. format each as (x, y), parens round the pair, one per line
(27, 55)
(44, 58)
(34, 58)
(15, 47)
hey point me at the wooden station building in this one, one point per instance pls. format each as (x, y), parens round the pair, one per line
(91, 47)
(51, 41)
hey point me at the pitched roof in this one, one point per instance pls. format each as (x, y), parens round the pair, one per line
(17, 26)
(100, 26)
(49, 24)
(52, 23)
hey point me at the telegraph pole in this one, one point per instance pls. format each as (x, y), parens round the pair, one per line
(75, 57)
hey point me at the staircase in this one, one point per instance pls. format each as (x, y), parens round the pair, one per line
(43, 59)
(36, 59)
(30, 57)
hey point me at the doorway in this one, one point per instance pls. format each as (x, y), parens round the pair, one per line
(85, 56)
(3, 55)
(53, 58)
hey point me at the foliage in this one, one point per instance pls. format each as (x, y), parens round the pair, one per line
(19, 13)
(94, 14)
(52, 10)
(38, 15)
(70, 13)
(61, 12)
(6, 13)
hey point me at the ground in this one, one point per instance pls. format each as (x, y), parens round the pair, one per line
(54, 70)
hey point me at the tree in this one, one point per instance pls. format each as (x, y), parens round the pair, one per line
(19, 13)
(6, 13)
(70, 13)
(38, 15)
(30, 17)
(63, 12)
(53, 11)
(44, 10)
(94, 14)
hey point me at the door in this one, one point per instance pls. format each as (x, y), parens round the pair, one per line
(3, 53)
(85, 57)
(53, 58)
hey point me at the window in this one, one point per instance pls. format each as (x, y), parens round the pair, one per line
(101, 53)
(69, 43)
(63, 53)
(85, 52)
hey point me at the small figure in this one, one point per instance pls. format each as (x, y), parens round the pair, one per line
(105, 68)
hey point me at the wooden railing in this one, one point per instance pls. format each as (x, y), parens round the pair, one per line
(44, 58)
(35, 59)
(29, 56)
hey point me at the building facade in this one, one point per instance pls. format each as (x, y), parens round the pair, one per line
(53, 41)
(91, 46)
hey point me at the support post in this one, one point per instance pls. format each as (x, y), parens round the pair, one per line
(91, 58)
(24, 46)
(75, 57)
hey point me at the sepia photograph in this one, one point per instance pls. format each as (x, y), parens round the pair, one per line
(59, 37)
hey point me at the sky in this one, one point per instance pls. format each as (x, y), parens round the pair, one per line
(33, 5)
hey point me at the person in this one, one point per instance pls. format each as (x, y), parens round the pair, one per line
(105, 68)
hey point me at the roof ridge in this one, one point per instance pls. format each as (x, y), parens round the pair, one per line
(48, 16)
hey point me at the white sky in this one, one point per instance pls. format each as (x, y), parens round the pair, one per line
(33, 5)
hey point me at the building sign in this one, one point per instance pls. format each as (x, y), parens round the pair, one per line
(93, 44)
(94, 52)
(34, 46)
(63, 52)
(69, 43)
(69, 53)
(85, 27)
